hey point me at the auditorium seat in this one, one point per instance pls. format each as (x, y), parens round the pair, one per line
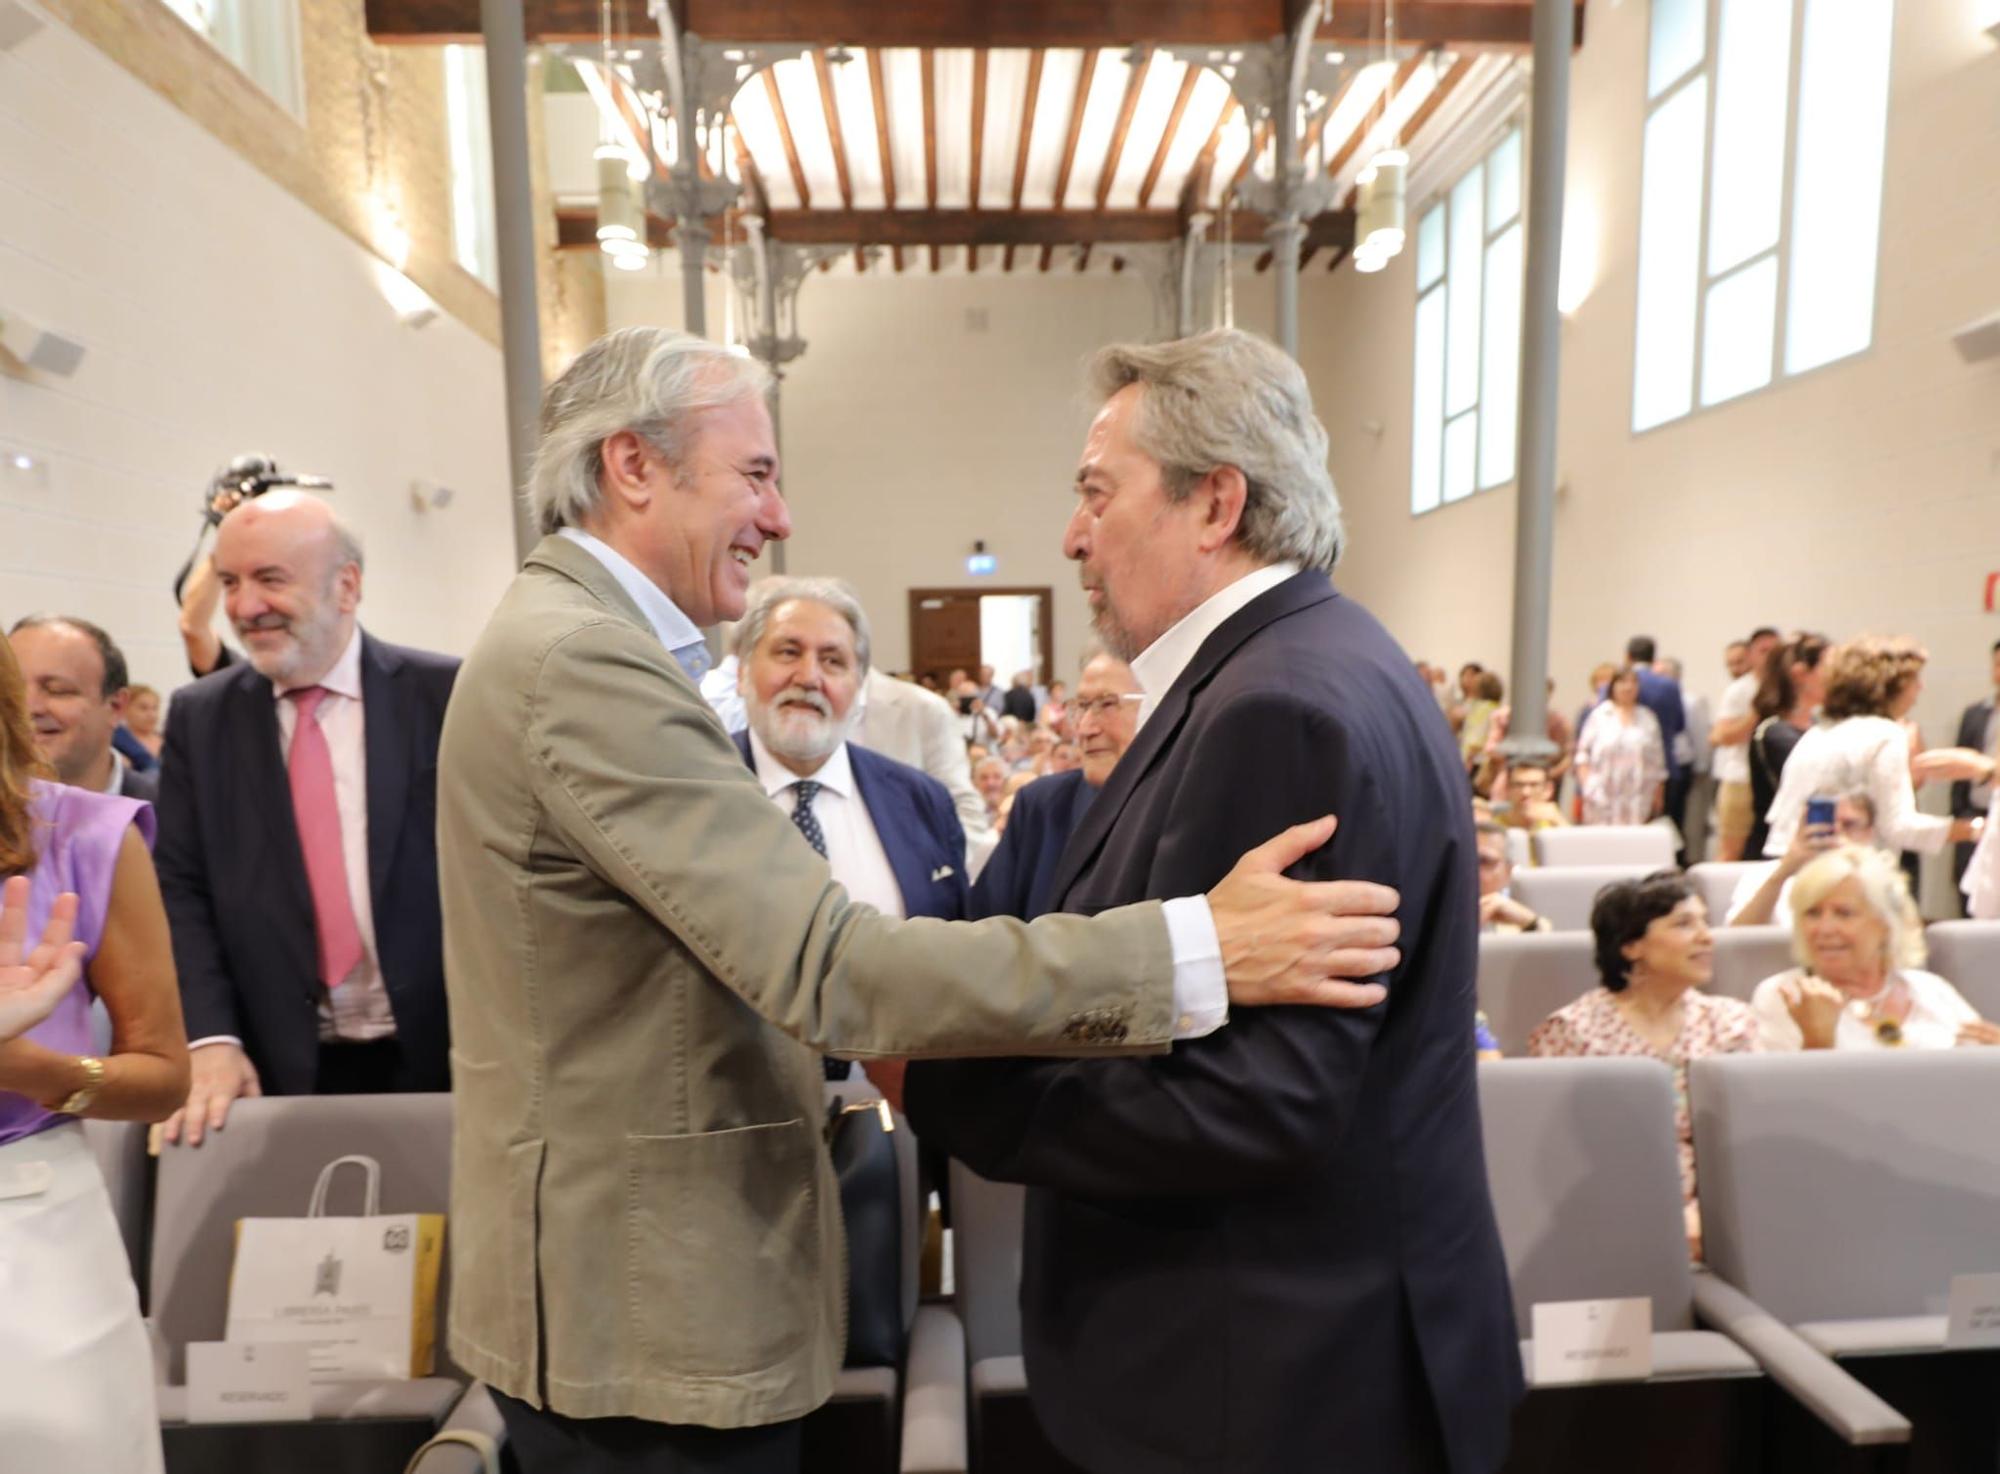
(1746, 955)
(120, 1149)
(1966, 954)
(1524, 977)
(1716, 882)
(1649, 845)
(1563, 893)
(1843, 1192)
(908, 1414)
(1586, 1186)
(263, 1164)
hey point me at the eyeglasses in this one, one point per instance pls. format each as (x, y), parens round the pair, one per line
(1103, 706)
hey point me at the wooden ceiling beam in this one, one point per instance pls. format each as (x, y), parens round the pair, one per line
(928, 60)
(1456, 24)
(1027, 138)
(1454, 74)
(1084, 76)
(1194, 193)
(919, 228)
(829, 106)
(978, 143)
(1378, 110)
(785, 137)
(880, 94)
(1181, 97)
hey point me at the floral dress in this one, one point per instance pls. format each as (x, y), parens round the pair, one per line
(1594, 1026)
(1626, 762)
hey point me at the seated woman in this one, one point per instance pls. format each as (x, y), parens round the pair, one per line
(1655, 954)
(1860, 983)
(1763, 896)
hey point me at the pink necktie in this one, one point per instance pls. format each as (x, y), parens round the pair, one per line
(318, 814)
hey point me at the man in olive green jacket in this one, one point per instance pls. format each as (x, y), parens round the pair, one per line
(645, 960)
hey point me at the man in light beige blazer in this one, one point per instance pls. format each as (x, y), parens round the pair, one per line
(645, 960)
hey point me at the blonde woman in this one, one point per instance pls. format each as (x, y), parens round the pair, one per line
(1860, 982)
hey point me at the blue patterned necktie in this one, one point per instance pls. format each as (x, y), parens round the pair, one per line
(804, 817)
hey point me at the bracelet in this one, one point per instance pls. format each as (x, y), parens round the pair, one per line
(80, 1099)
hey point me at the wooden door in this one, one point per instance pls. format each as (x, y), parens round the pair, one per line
(944, 632)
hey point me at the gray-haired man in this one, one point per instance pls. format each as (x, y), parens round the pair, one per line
(646, 960)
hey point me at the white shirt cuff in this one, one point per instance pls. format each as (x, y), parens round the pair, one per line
(1201, 993)
(194, 1044)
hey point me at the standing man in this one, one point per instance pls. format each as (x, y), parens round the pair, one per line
(887, 830)
(1978, 729)
(647, 959)
(1697, 758)
(1729, 741)
(1271, 1250)
(1661, 695)
(297, 854)
(77, 683)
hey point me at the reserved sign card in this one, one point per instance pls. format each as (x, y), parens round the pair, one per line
(1593, 1341)
(1974, 1314)
(249, 1382)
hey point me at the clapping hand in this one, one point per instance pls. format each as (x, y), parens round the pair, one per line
(1815, 1006)
(34, 980)
(1979, 1031)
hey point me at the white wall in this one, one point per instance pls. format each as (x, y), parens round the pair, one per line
(1864, 497)
(219, 315)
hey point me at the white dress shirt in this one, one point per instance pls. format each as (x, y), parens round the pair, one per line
(718, 689)
(854, 849)
(359, 1008)
(1160, 664)
(1871, 754)
(1201, 992)
(1732, 763)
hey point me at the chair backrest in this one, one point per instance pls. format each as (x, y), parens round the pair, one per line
(1746, 955)
(263, 1165)
(1966, 954)
(986, 1262)
(1716, 880)
(1520, 852)
(1525, 977)
(1846, 1186)
(1649, 845)
(1564, 893)
(120, 1149)
(1585, 1173)
(860, 1088)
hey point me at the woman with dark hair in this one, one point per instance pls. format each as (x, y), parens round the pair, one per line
(1788, 694)
(1621, 759)
(1655, 954)
(77, 1392)
(1859, 742)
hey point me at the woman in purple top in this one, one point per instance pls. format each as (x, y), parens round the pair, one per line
(76, 1371)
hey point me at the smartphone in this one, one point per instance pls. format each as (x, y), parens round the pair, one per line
(1819, 811)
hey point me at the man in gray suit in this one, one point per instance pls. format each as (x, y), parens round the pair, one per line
(646, 959)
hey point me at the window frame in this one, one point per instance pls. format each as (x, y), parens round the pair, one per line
(1708, 68)
(291, 16)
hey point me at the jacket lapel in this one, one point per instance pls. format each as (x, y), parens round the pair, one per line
(386, 741)
(1164, 725)
(896, 827)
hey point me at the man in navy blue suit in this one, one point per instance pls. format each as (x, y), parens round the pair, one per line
(298, 846)
(1273, 1249)
(888, 830)
(1020, 878)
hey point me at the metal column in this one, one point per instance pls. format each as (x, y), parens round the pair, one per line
(505, 34)
(1541, 347)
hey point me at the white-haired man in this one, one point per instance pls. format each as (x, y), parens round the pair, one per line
(646, 959)
(1271, 1249)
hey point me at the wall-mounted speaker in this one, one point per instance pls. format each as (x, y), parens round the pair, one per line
(36, 346)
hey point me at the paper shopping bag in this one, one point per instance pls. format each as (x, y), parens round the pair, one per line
(362, 1292)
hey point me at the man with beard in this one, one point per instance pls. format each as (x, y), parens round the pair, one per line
(1271, 1249)
(888, 830)
(297, 853)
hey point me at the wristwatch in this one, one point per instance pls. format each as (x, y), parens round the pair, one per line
(93, 1081)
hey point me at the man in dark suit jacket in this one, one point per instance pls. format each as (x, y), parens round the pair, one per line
(78, 684)
(1978, 729)
(1661, 695)
(297, 852)
(1272, 1250)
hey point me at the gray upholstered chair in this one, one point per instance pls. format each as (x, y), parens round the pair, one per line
(1648, 845)
(1564, 893)
(1966, 954)
(1525, 977)
(1586, 1185)
(264, 1164)
(1716, 881)
(1842, 1192)
(1746, 955)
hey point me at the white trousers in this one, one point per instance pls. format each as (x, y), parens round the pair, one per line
(76, 1369)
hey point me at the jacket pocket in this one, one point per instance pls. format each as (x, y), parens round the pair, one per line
(724, 1269)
